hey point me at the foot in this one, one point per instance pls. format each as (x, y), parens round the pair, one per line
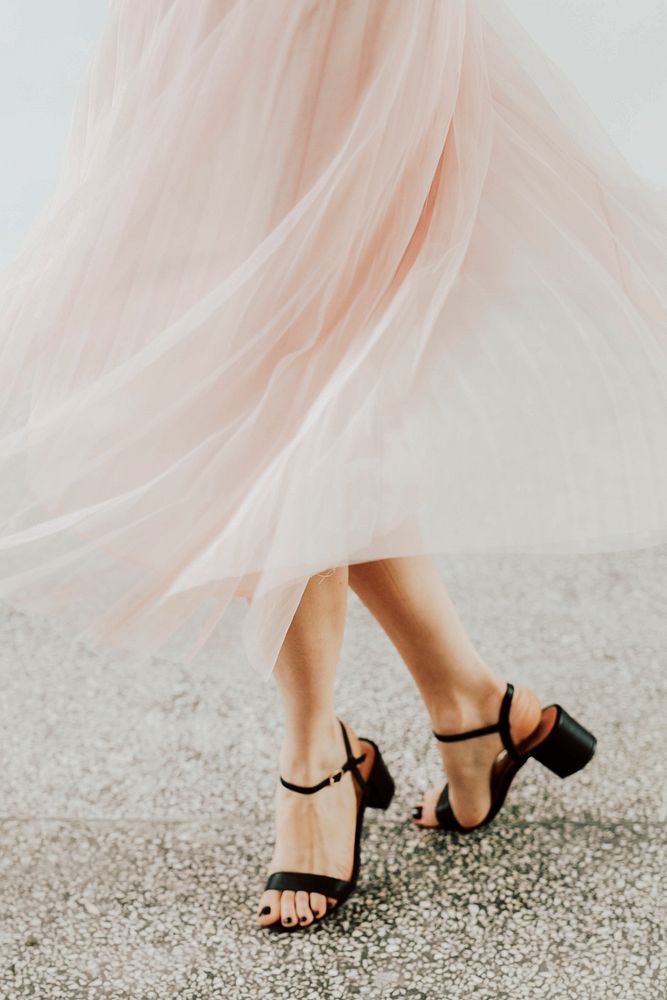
(314, 833)
(468, 764)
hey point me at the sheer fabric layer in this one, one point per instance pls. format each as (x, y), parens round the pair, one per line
(322, 282)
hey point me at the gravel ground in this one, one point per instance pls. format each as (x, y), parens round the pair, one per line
(137, 818)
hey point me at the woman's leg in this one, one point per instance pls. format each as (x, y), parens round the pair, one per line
(461, 691)
(314, 833)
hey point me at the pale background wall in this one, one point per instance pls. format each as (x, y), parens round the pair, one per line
(44, 48)
(612, 50)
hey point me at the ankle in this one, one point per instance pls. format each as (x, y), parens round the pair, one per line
(468, 705)
(311, 750)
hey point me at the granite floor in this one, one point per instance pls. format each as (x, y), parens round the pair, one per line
(137, 824)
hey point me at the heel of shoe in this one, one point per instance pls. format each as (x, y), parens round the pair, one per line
(567, 748)
(380, 784)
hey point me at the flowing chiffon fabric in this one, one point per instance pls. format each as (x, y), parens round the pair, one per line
(322, 281)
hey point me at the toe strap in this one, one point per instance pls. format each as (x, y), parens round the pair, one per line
(307, 882)
(444, 814)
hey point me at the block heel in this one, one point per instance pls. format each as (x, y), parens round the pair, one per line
(567, 748)
(380, 784)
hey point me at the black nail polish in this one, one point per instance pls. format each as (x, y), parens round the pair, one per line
(303, 919)
(417, 812)
(265, 909)
(287, 920)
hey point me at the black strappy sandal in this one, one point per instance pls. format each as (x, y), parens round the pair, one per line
(376, 791)
(559, 742)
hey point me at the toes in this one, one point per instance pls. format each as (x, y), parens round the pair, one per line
(331, 900)
(269, 907)
(302, 906)
(423, 813)
(288, 909)
(318, 904)
(291, 908)
(417, 812)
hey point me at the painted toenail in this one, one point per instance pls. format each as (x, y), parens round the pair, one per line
(288, 920)
(303, 919)
(265, 909)
(417, 812)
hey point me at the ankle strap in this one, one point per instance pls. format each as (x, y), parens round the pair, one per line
(332, 779)
(502, 726)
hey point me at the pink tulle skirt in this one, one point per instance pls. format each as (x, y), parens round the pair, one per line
(321, 282)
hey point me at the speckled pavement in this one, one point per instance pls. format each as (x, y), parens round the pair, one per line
(137, 814)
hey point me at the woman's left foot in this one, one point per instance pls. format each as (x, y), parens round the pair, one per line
(468, 764)
(314, 833)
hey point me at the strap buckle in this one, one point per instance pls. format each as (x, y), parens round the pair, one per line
(336, 776)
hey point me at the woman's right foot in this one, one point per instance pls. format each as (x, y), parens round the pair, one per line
(314, 833)
(468, 764)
